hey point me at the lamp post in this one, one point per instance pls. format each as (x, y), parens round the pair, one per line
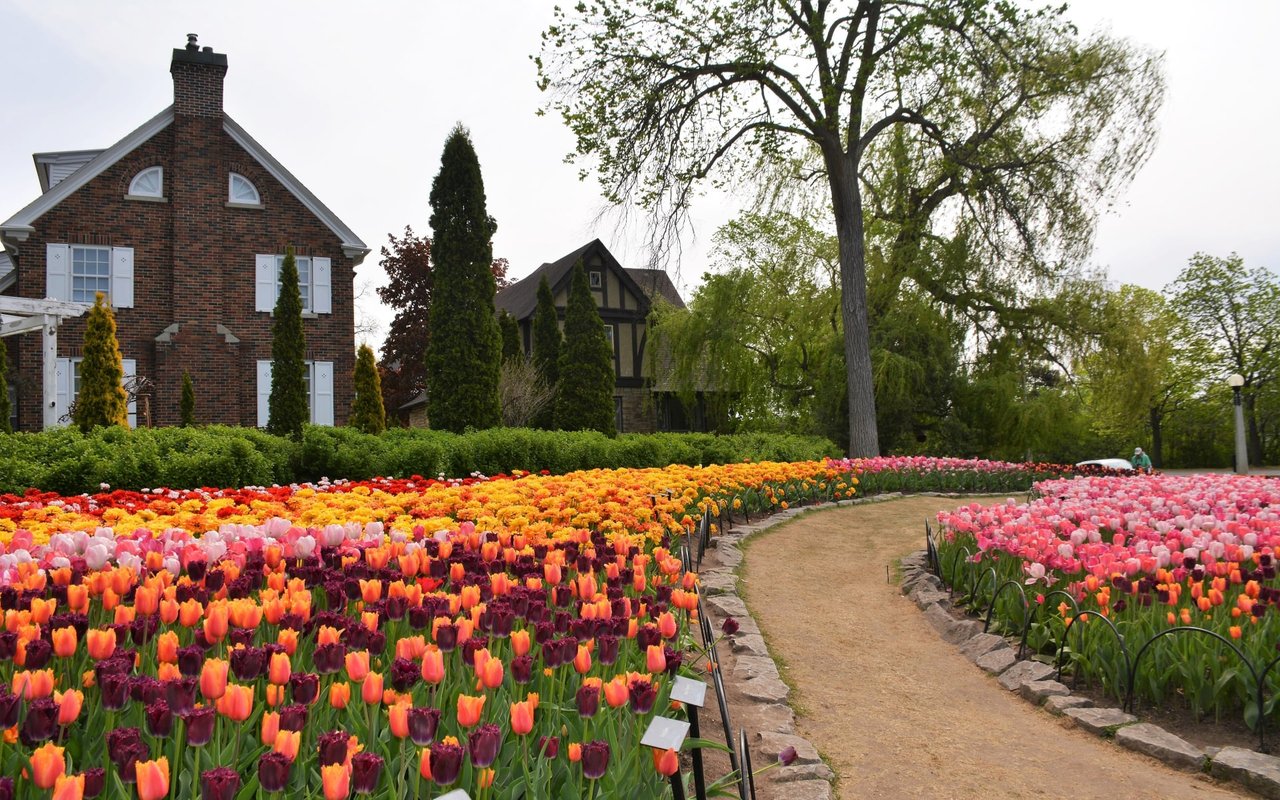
(1235, 381)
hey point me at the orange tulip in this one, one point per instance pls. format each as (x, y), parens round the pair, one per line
(371, 689)
(522, 717)
(520, 642)
(279, 670)
(582, 661)
(64, 642)
(78, 597)
(146, 601)
(432, 665)
(153, 779)
(575, 751)
(371, 591)
(655, 659)
(47, 765)
(189, 613)
(424, 763)
(616, 692)
(667, 624)
(666, 762)
(69, 704)
(68, 787)
(399, 715)
(33, 684)
(102, 643)
(215, 622)
(270, 727)
(484, 778)
(357, 665)
(236, 703)
(1235, 631)
(168, 611)
(328, 635)
(340, 695)
(491, 674)
(288, 638)
(287, 744)
(336, 780)
(213, 678)
(469, 709)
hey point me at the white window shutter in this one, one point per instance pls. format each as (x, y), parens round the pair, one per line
(62, 401)
(130, 366)
(322, 393)
(57, 271)
(321, 293)
(265, 281)
(122, 277)
(264, 392)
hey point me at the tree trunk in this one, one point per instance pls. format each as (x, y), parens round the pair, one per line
(846, 200)
(1251, 424)
(1157, 438)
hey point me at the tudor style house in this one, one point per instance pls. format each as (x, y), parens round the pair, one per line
(183, 225)
(624, 298)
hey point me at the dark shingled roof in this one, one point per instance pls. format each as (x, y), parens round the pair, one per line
(521, 298)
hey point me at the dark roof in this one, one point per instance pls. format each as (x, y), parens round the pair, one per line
(521, 298)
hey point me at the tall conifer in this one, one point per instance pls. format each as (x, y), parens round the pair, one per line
(102, 400)
(367, 412)
(287, 407)
(547, 341)
(510, 336)
(465, 351)
(584, 394)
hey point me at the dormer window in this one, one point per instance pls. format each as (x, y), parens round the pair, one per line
(148, 183)
(243, 192)
(597, 280)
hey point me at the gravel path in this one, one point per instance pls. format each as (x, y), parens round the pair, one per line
(897, 712)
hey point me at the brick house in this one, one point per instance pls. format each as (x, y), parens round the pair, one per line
(624, 298)
(183, 224)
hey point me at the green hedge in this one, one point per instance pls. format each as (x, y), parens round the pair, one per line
(68, 462)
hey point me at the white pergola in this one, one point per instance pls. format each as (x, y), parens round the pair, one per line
(21, 315)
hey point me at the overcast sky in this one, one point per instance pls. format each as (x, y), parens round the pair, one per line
(356, 101)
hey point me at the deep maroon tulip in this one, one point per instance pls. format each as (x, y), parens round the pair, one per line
(446, 640)
(248, 663)
(607, 648)
(41, 721)
(729, 626)
(675, 658)
(115, 690)
(647, 635)
(522, 669)
(214, 580)
(549, 746)
(304, 686)
(273, 771)
(190, 660)
(469, 648)
(396, 607)
(200, 725)
(181, 694)
(95, 780)
(159, 719)
(333, 747)
(146, 689)
(483, 744)
(562, 595)
(405, 674)
(6, 788)
(420, 617)
(643, 696)
(595, 759)
(446, 762)
(8, 645)
(39, 652)
(130, 755)
(293, 718)
(119, 739)
(219, 784)
(366, 769)
(10, 708)
(240, 636)
(376, 642)
(551, 654)
(588, 700)
(197, 569)
(423, 722)
(329, 658)
(788, 756)
(543, 632)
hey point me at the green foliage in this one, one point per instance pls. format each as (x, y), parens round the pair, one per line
(464, 352)
(102, 400)
(410, 280)
(187, 404)
(287, 407)
(547, 341)
(5, 410)
(510, 329)
(584, 393)
(367, 413)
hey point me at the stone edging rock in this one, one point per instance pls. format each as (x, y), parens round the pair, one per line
(755, 673)
(1033, 681)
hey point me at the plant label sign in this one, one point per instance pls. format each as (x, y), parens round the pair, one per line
(665, 734)
(689, 691)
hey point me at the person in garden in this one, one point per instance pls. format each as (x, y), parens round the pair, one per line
(1141, 461)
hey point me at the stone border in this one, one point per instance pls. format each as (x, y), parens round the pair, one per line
(1033, 681)
(755, 673)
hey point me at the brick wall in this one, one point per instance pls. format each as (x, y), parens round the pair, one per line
(638, 412)
(194, 266)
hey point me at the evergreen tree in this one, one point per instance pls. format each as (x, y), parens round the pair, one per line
(510, 336)
(5, 410)
(584, 395)
(367, 412)
(287, 407)
(546, 349)
(102, 400)
(465, 351)
(187, 406)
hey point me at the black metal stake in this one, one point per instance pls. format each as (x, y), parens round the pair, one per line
(699, 780)
(677, 786)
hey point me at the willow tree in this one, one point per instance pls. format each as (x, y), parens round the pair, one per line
(1021, 117)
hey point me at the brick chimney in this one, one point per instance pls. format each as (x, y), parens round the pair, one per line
(197, 80)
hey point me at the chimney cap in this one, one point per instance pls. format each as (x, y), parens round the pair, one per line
(191, 41)
(194, 54)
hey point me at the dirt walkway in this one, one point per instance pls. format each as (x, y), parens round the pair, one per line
(897, 712)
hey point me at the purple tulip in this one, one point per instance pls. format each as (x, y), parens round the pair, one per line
(219, 784)
(366, 769)
(273, 771)
(483, 744)
(159, 719)
(423, 722)
(595, 759)
(200, 723)
(446, 762)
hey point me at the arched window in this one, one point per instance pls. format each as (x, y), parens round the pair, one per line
(243, 192)
(148, 183)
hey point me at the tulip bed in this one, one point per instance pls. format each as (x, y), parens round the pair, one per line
(1150, 554)
(932, 474)
(511, 636)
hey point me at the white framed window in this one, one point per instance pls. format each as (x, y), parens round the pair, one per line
(75, 273)
(318, 380)
(608, 335)
(67, 373)
(242, 192)
(314, 283)
(596, 278)
(148, 183)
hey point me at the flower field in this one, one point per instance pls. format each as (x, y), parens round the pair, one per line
(1170, 582)
(933, 474)
(511, 636)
